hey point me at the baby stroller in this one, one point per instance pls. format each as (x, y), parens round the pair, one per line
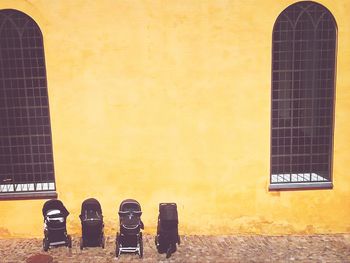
(129, 239)
(167, 229)
(55, 231)
(92, 224)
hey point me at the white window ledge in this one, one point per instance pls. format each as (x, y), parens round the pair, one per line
(300, 186)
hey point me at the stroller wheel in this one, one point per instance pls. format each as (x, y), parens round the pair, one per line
(45, 244)
(69, 241)
(103, 242)
(117, 251)
(156, 241)
(178, 240)
(141, 246)
(81, 243)
(169, 251)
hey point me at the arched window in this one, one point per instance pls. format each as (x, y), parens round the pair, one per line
(26, 160)
(303, 88)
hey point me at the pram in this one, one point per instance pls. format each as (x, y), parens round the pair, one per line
(167, 229)
(55, 232)
(92, 224)
(129, 239)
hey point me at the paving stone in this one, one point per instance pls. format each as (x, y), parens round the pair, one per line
(40, 258)
(221, 249)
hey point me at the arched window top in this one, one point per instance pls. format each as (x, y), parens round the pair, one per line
(306, 11)
(19, 21)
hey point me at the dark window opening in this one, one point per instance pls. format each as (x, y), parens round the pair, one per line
(26, 159)
(303, 86)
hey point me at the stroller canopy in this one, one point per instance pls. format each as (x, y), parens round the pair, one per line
(130, 205)
(91, 204)
(55, 204)
(168, 211)
(130, 213)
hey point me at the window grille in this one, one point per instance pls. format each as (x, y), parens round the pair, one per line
(303, 86)
(26, 159)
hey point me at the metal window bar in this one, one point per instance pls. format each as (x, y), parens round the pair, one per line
(303, 74)
(26, 158)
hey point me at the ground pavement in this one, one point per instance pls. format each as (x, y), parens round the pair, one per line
(311, 248)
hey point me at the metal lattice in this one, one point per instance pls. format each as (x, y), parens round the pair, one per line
(303, 86)
(26, 160)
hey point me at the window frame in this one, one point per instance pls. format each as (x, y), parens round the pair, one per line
(309, 185)
(35, 188)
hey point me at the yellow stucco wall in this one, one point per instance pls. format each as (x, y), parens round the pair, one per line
(170, 101)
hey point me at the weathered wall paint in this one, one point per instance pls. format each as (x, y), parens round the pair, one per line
(170, 101)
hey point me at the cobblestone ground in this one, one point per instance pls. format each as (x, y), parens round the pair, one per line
(316, 248)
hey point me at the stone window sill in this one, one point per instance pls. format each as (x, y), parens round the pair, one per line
(28, 195)
(300, 186)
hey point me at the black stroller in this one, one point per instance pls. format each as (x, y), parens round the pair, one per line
(55, 215)
(92, 224)
(167, 229)
(129, 239)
